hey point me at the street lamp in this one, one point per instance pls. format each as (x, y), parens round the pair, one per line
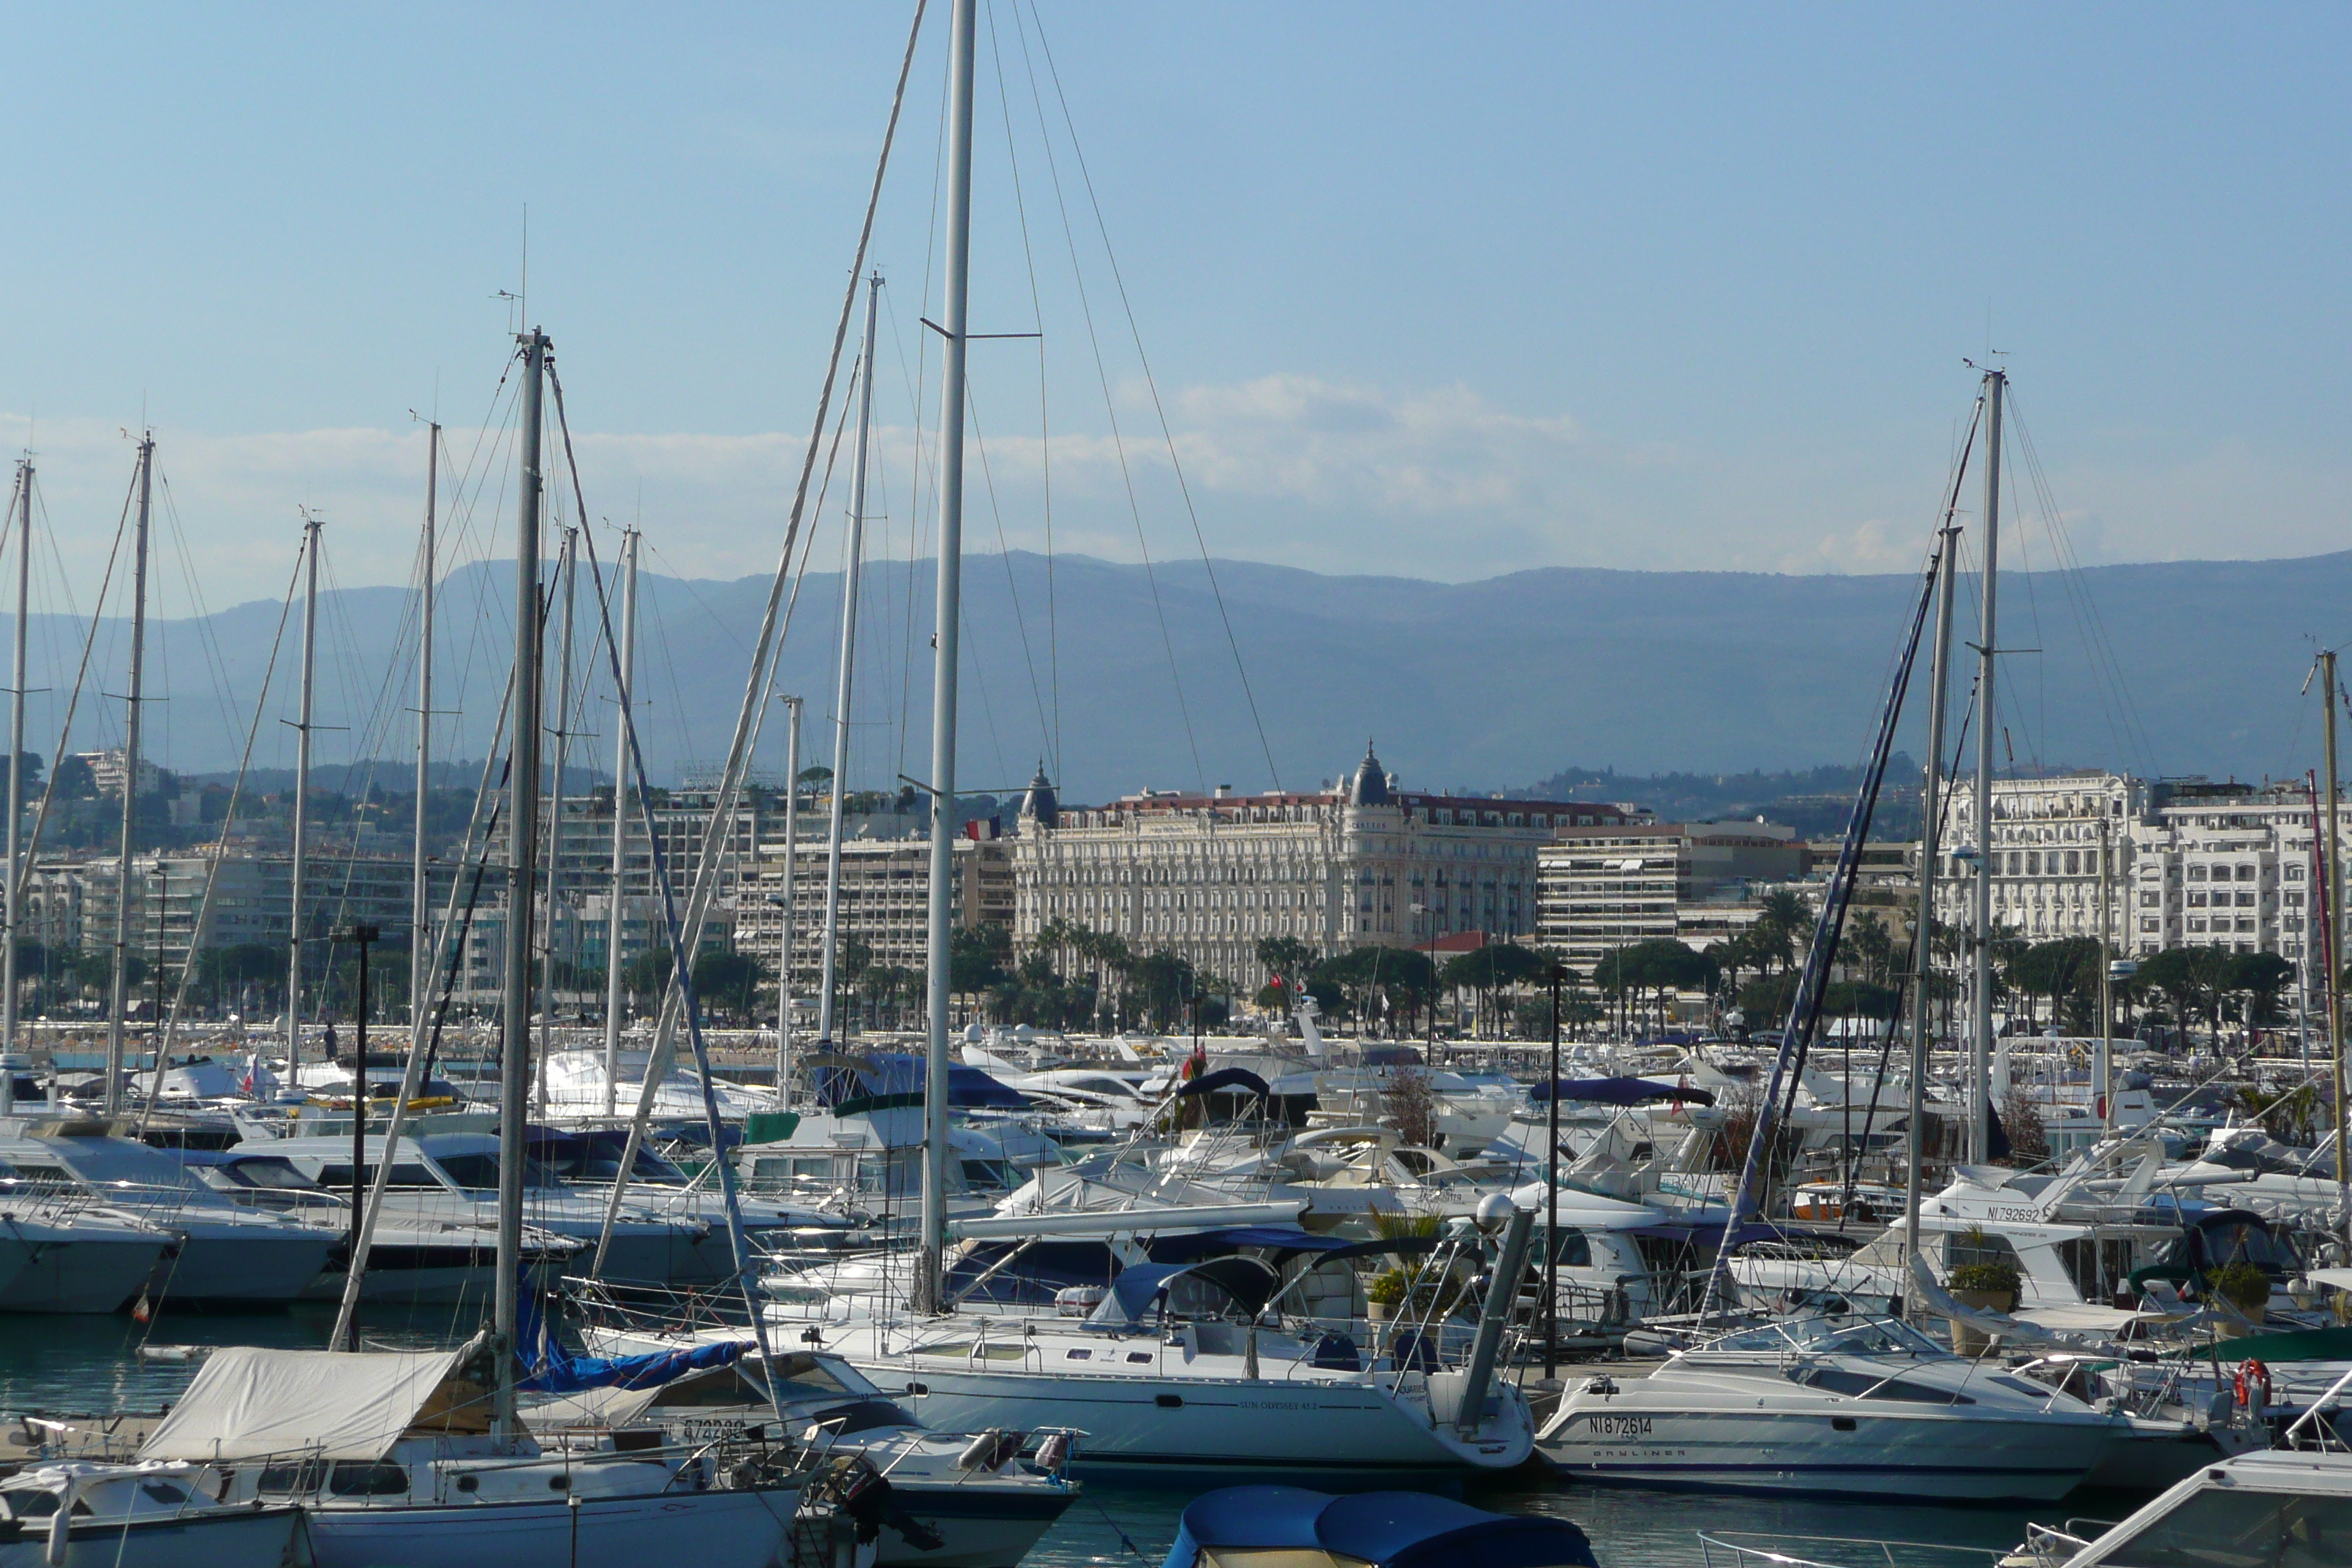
(1430, 1049)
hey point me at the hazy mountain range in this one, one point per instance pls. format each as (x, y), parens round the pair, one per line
(2180, 668)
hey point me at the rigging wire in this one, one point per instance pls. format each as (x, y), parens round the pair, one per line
(1012, 588)
(1044, 425)
(1118, 440)
(201, 920)
(81, 676)
(1150, 382)
(2122, 710)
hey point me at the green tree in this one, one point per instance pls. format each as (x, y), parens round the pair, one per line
(2065, 969)
(1867, 948)
(2191, 979)
(726, 983)
(1782, 921)
(646, 976)
(979, 957)
(1165, 985)
(1287, 956)
(2258, 979)
(74, 779)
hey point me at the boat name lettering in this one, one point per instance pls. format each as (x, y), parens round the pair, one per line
(1622, 1426)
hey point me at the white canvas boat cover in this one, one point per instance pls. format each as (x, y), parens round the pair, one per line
(247, 1402)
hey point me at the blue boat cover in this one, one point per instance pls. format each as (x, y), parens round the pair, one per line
(1249, 1282)
(1288, 1242)
(1224, 1080)
(1390, 1529)
(898, 1072)
(1618, 1091)
(549, 1368)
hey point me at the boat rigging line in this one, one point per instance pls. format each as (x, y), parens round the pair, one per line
(758, 684)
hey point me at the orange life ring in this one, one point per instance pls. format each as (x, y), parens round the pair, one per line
(2252, 1378)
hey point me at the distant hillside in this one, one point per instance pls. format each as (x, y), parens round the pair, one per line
(1476, 686)
(1816, 801)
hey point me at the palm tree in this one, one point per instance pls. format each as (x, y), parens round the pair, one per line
(1774, 935)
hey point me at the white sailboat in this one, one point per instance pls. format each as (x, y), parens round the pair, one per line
(392, 1457)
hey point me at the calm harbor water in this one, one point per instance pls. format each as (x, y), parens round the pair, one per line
(85, 1364)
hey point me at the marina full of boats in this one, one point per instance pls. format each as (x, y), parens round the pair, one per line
(1226, 1279)
(848, 1298)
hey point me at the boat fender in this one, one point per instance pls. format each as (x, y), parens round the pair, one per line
(2253, 1383)
(62, 1527)
(986, 1451)
(1053, 1452)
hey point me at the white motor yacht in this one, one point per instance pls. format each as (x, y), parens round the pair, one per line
(2278, 1508)
(78, 1515)
(59, 1252)
(410, 1257)
(580, 1091)
(453, 1177)
(1856, 1406)
(218, 1252)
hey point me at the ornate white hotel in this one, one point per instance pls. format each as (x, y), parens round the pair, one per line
(2196, 863)
(1362, 863)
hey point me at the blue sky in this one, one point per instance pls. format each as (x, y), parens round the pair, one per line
(1442, 291)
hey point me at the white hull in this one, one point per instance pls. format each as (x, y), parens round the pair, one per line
(1196, 1424)
(240, 1263)
(85, 1273)
(1945, 1457)
(708, 1530)
(979, 1527)
(239, 1537)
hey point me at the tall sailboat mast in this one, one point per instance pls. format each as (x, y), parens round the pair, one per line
(570, 567)
(2331, 947)
(943, 670)
(420, 950)
(842, 685)
(613, 914)
(299, 866)
(1979, 1099)
(1931, 850)
(522, 852)
(119, 991)
(17, 786)
(784, 935)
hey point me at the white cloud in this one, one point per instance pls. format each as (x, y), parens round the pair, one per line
(1301, 470)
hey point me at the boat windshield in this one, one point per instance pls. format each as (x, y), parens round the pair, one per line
(1844, 1336)
(2245, 1530)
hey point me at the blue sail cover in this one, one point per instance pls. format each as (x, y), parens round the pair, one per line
(898, 1073)
(1628, 1091)
(1391, 1530)
(549, 1368)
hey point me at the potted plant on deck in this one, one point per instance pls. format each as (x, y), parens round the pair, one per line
(1987, 1284)
(2245, 1287)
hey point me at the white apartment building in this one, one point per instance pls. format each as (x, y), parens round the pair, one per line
(2225, 866)
(2196, 863)
(1600, 889)
(885, 897)
(1206, 876)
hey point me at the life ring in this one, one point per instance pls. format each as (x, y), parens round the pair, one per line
(2253, 1383)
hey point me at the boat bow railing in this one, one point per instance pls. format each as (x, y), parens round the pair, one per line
(1752, 1549)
